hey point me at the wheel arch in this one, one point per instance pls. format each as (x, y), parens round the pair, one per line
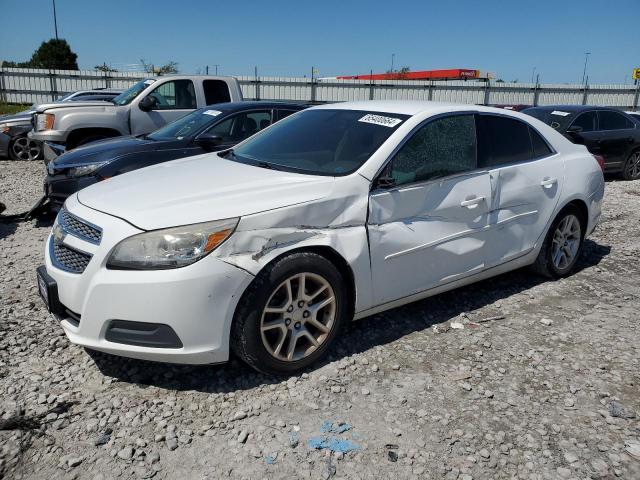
(77, 135)
(583, 212)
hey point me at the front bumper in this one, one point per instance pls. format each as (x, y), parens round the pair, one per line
(4, 144)
(57, 188)
(196, 302)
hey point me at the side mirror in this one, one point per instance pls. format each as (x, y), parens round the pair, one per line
(209, 141)
(147, 104)
(574, 130)
(385, 180)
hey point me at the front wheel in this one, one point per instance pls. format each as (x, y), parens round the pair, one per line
(290, 315)
(562, 246)
(631, 169)
(23, 148)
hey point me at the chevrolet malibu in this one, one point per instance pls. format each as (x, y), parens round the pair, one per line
(335, 213)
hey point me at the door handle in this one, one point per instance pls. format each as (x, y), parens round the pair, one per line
(472, 202)
(548, 182)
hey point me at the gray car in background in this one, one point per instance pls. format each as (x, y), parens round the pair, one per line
(14, 142)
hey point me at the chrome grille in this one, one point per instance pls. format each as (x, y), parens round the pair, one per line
(69, 259)
(79, 228)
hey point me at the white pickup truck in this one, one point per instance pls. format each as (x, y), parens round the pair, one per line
(143, 108)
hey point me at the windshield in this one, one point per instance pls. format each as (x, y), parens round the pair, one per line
(321, 142)
(553, 118)
(126, 97)
(186, 126)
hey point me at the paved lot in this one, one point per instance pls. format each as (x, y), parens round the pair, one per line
(548, 387)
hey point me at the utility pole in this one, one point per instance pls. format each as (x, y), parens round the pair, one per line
(207, 70)
(533, 74)
(217, 65)
(584, 72)
(393, 56)
(55, 18)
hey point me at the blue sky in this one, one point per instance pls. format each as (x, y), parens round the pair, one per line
(287, 38)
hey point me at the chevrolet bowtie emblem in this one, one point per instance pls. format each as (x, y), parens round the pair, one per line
(58, 234)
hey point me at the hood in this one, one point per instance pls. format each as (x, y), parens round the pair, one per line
(21, 118)
(200, 189)
(110, 149)
(55, 106)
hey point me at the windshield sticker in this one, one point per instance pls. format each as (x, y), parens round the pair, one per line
(558, 112)
(213, 113)
(149, 82)
(380, 120)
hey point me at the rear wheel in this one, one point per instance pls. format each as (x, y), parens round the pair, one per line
(631, 169)
(562, 246)
(290, 315)
(23, 148)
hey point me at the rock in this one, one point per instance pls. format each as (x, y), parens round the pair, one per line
(240, 415)
(547, 322)
(74, 461)
(126, 453)
(243, 436)
(172, 443)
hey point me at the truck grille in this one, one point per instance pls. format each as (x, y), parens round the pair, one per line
(68, 258)
(79, 228)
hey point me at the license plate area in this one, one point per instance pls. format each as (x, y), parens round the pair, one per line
(48, 290)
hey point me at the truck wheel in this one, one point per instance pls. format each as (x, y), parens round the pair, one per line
(290, 315)
(22, 148)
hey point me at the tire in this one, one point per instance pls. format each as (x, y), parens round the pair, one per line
(263, 339)
(24, 149)
(547, 264)
(631, 169)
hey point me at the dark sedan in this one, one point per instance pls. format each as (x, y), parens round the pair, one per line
(212, 128)
(610, 133)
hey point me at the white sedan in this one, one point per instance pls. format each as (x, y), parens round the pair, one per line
(337, 212)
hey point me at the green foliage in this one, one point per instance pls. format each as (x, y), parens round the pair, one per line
(167, 68)
(55, 54)
(105, 68)
(10, 109)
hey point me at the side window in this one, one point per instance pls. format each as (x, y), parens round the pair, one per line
(175, 95)
(284, 114)
(238, 127)
(215, 91)
(588, 121)
(540, 147)
(613, 121)
(442, 147)
(502, 140)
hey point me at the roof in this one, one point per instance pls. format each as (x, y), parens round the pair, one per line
(572, 108)
(402, 107)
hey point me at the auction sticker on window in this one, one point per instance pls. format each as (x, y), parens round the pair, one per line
(558, 112)
(213, 113)
(380, 120)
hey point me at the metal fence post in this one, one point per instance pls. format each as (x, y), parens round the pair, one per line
(256, 83)
(54, 88)
(585, 93)
(536, 94)
(313, 90)
(3, 94)
(487, 92)
(636, 97)
(430, 93)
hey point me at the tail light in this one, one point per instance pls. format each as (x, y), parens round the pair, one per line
(600, 160)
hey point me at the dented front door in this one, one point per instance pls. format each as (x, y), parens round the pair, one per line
(424, 235)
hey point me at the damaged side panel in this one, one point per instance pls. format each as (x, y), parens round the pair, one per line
(337, 223)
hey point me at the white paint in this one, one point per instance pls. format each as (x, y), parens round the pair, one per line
(401, 244)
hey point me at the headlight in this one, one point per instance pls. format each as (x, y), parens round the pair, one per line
(85, 169)
(172, 247)
(44, 121)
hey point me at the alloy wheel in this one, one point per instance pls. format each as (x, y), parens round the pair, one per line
(25, 149)
(632, 168)
(566, 242)
(298, 317)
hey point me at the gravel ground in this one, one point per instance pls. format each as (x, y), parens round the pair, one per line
(542, 381)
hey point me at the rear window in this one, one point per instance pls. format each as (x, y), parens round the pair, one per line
(556, 119)
(215, 91)
(502, 141)
(613, 121)
(321, 142)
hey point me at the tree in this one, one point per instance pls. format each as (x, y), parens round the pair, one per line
(105, 68)
(400, 74)
(54, 54)
(171, 67)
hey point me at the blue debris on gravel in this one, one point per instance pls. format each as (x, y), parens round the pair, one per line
(331, 442)
(270, 460)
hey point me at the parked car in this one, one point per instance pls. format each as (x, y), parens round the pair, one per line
(211, 128)
(607, 132)
(143, 108)
(634, 115)
(336, 212)
(14, 142)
